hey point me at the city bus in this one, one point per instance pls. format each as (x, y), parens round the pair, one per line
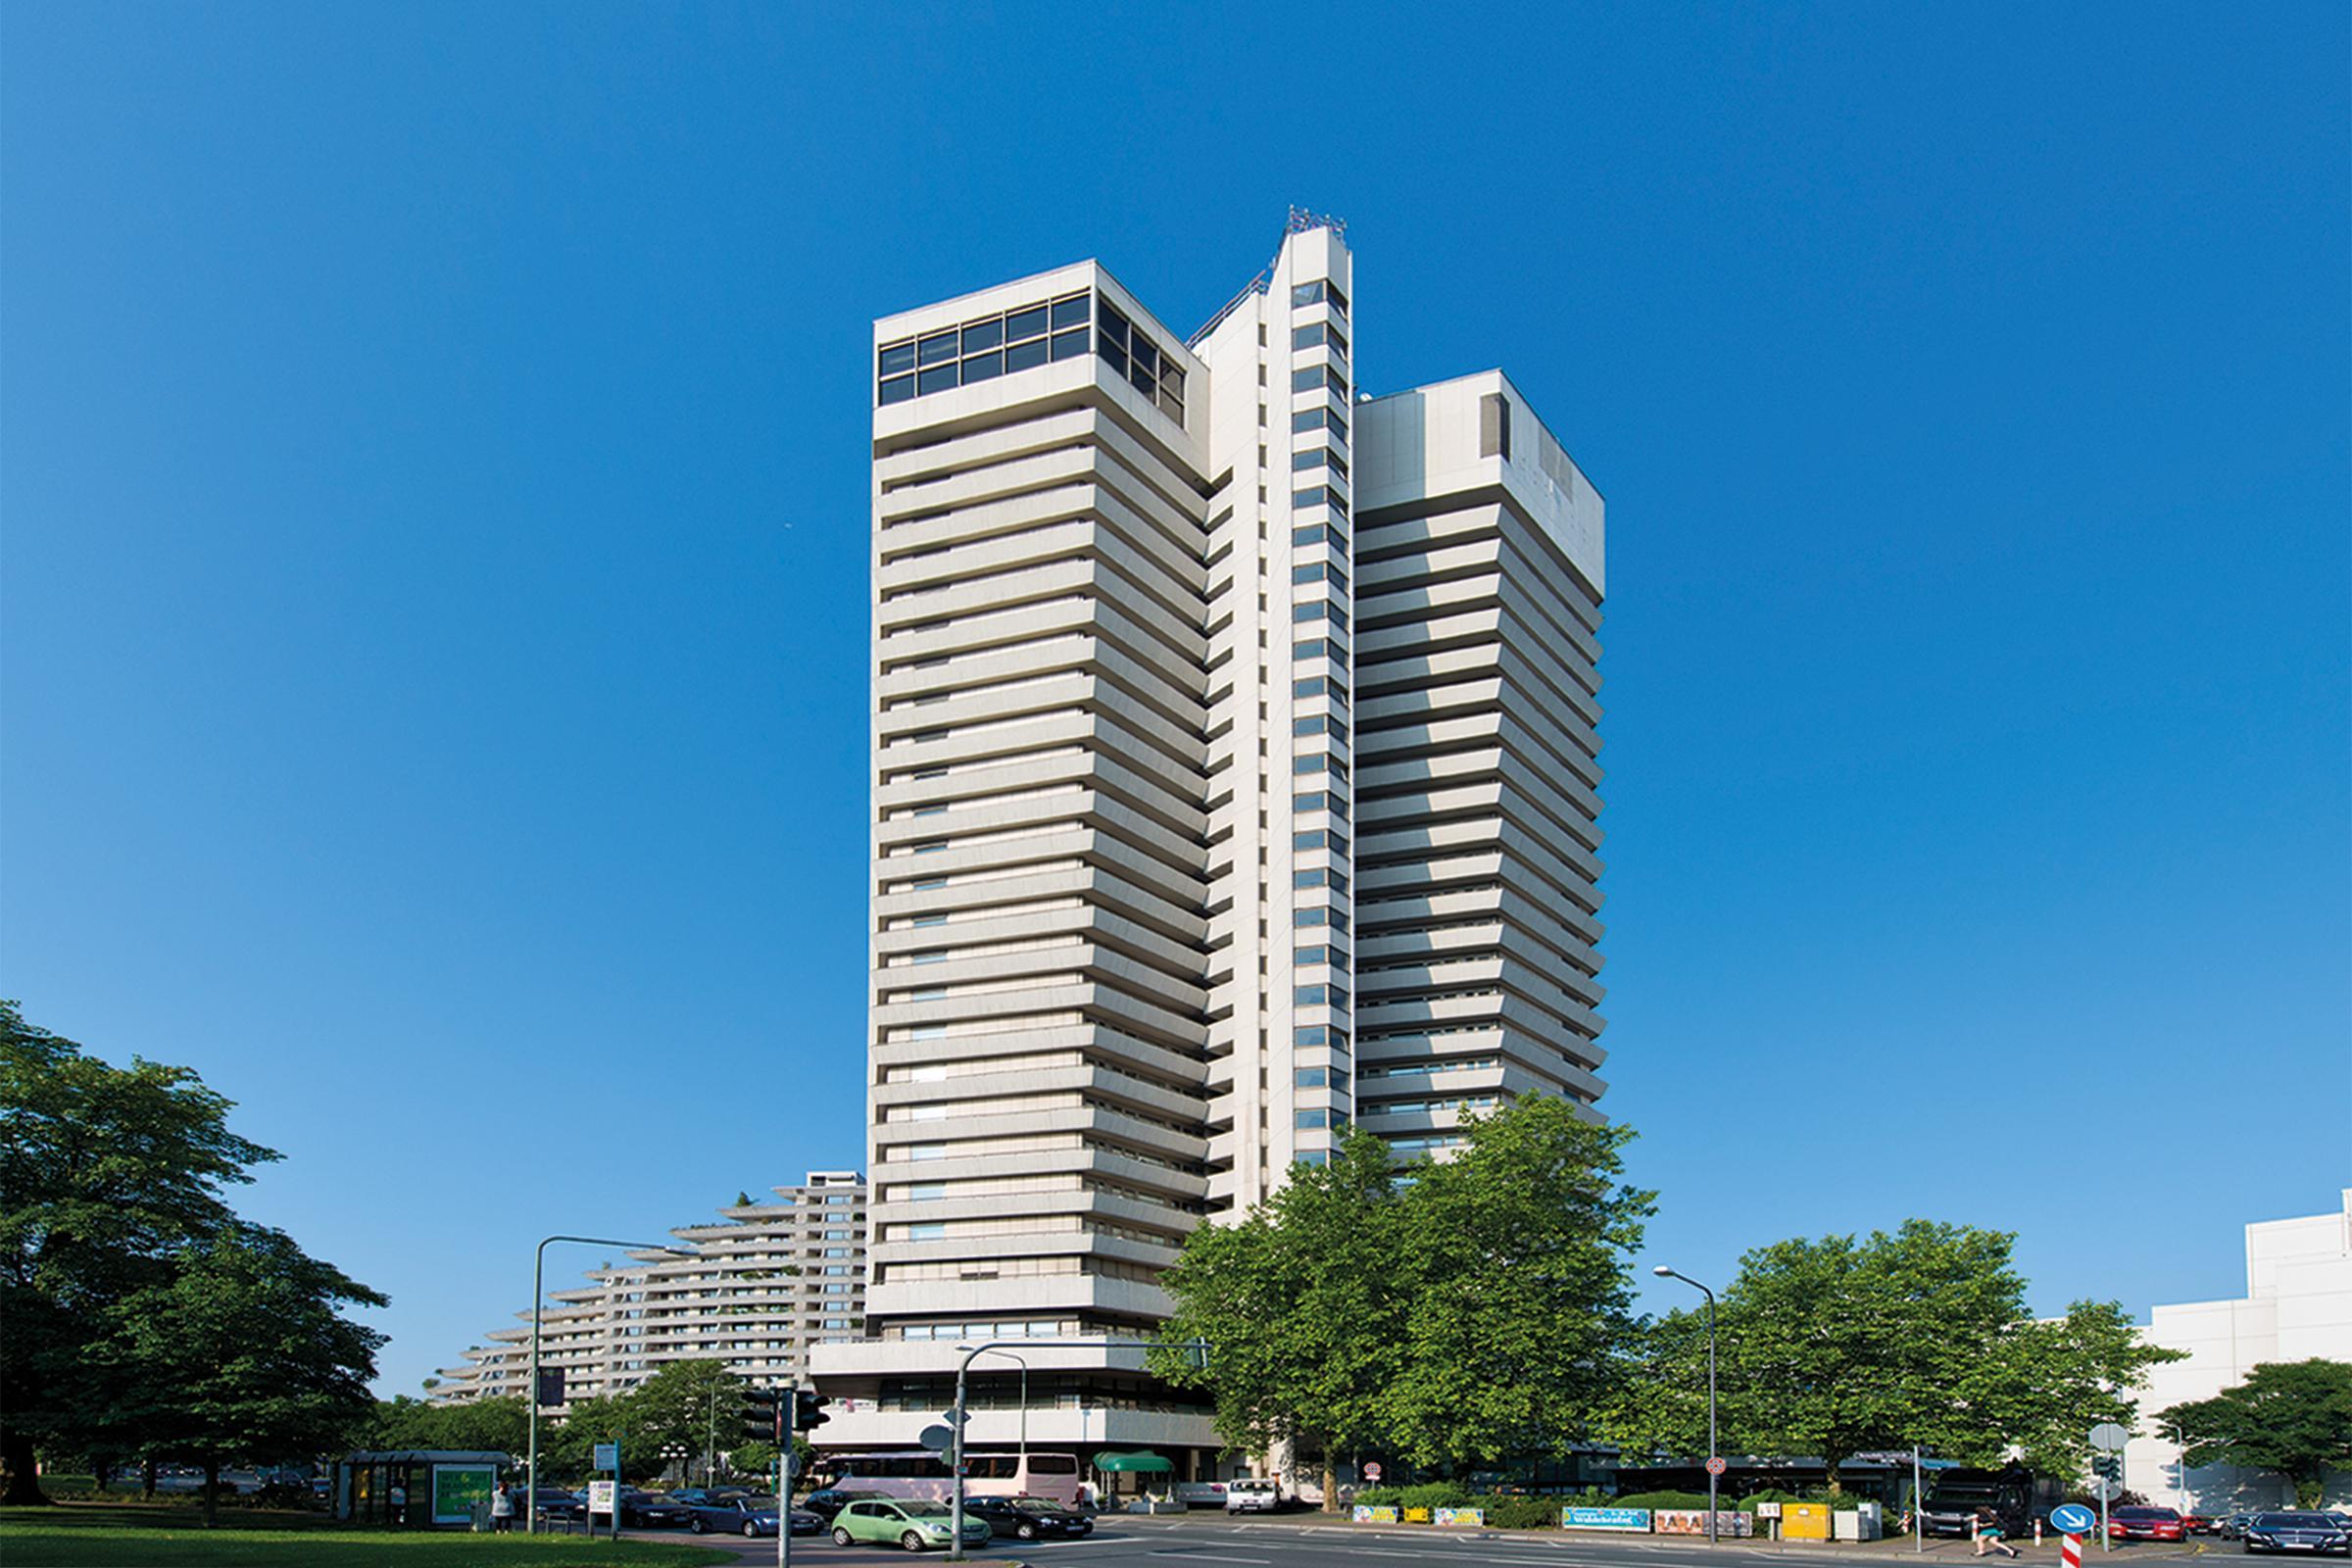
(920, 1473)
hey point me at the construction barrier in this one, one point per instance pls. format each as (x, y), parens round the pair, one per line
(1635, 1519)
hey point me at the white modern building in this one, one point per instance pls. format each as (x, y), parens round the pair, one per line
(2297, 1306)
(766, 1283)
(1235, 780)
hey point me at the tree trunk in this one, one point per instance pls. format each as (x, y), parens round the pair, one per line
(17, 1458)
(147, 1479)
(211, 1492)
(1829, 1469)
(1331, 1482)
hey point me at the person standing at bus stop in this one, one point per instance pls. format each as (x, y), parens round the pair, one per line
(502, 1510)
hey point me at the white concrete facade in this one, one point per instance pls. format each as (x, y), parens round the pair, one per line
(2297, 1306)
(766, 1283)
(1235, 779)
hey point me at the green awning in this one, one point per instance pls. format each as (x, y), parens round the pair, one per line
(1132, 1461)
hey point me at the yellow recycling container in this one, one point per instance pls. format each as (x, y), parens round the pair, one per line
(1804, 1521)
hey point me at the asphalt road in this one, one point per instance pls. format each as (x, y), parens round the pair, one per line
(1209, 1541)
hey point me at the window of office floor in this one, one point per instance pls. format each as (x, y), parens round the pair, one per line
(1319, 292)
(984, 348)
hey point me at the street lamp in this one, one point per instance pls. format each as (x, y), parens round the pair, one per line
(530, 1496)
(1024, 1361)
(1665, 1273)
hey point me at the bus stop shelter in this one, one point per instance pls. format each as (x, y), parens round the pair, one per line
(417, 1488)
(1140, 1465)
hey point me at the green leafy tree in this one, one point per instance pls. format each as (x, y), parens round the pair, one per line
(1518, 1262)
(1300, 1305)
(2295, 1417)
(697, 1405)
(1451, 1312)
(483, 1425)
(243, 1354)
(1842, 1346)
(106, 1174)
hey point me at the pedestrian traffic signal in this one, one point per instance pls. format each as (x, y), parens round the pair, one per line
(808, 1410)
(762, 1414)
(2107, 1466)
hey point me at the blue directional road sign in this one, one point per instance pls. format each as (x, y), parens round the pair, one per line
(606, 1457)
(2072, 1519)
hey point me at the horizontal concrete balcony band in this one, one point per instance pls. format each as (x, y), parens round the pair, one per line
(908, 499)
(1376, 953)
(1542, 1050)
(1080, 1429)
(1027, 1295)
(1557, 858)
(999, 596)
(1050, 968)
(1533, 741)
(1531, 804)
(1079, 520)
(1114, 930)
(1101, 887)
(932, 1358)
(1007, 1245)
(1103, 1123)
(1038, 627)
(1513, 870)
(1102, 1205)
(1102, 1003)
(1035, 818)
(1526, 1000)
(1150, 1098)
(1143, 1055)
(1144, 793)
(1567, 931)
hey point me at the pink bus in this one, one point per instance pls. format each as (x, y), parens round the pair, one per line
(920, 1473)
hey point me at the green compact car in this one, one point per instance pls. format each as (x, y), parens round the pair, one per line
(902, 1522)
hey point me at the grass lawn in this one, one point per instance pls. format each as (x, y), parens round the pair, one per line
(111, 1536)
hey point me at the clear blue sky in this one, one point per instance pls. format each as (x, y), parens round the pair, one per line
(435, 511)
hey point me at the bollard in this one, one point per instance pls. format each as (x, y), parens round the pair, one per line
(2037, 1530)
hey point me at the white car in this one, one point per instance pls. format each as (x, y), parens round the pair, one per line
(1250, 1494)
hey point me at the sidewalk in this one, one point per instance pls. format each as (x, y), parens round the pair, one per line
(1941, 1552)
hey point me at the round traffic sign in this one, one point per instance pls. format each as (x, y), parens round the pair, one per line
(2072, 1519)
(2104, 1488)
(1716, 1466)
(1372, 1470)
(2109, 1436)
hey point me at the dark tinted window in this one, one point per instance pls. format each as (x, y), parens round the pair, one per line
(1025, 355)
(1070, 312)
(1026, 324)
(982, 366)
(1068, 345)
(937, 379)
(897, 358)
(941, 346)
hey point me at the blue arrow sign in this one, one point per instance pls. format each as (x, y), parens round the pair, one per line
(2072, 1519)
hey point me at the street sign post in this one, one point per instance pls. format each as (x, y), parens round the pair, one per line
(1372, 1471)
(2108, 1437)
(1716, 1465)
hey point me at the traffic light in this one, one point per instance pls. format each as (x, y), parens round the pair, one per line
(2107, 1466)
(761, 1414)
(808, 1410)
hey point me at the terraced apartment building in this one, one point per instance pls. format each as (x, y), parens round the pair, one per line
(1235, 780)
(766, 1283)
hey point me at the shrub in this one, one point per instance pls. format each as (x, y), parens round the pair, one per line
(1676, 1499)
(1519, 1514)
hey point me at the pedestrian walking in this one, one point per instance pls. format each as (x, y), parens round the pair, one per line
(1989, 1535)
(502, 1510)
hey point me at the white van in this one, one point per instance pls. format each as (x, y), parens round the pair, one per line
(1252, 1495)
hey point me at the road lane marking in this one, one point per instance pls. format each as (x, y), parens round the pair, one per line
(1208, 1556)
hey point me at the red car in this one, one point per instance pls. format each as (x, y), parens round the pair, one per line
(2146, 1523)
(2196, 1524)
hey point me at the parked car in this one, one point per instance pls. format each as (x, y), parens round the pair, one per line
(2195, 1522)
(1029, 1518)
(1252, 1495)
(743, 1514)
(554, 1502)
(697, 1496)
(652, 1510)
(830, 1500)
(902, 1522)
(2297, 1531)
(2145, 1523)
(2232, 1526)
(1201, 1494)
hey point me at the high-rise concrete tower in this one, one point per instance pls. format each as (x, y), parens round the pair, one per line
(1235, 779)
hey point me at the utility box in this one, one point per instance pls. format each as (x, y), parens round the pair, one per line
(1863, 1522)
(1804, 1521)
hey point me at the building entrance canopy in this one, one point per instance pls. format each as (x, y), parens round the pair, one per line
(1148, 1462)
